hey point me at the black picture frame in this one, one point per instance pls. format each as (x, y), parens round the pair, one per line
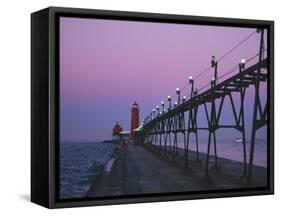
(45, 105)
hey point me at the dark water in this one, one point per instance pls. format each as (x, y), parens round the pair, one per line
(230, 149)
(80, 163)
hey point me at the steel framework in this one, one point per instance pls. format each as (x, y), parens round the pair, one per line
(160, 127)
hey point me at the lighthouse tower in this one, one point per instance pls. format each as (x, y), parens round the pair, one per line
(134, 119)
(116, 132)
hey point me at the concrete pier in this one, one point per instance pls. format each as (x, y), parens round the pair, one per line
(135, 169)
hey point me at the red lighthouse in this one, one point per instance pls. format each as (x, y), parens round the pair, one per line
(117, 129)
(134, 119)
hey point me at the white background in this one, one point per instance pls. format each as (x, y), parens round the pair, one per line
(15, 107)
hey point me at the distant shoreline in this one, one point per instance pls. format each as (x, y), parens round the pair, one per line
(111, 141)
(89, 142)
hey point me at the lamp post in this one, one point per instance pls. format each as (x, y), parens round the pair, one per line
(191, 81)
(183, 99)
(157, 107)
(214, 64)
(162, 104)
(169, 101)
(178, 94)
(213, 82)
(242, 65)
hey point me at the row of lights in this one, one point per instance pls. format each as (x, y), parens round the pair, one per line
(191, 81)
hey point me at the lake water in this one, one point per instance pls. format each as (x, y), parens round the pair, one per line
(80, 163)
(230, 149)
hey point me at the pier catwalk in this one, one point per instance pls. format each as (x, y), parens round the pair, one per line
(135, 169)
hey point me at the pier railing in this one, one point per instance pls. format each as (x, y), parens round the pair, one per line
(163, 126)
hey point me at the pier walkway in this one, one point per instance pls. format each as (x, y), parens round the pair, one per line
(135, 169)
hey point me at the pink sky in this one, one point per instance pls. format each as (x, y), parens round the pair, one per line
(106, 65)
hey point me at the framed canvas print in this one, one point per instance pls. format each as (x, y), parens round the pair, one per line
(139, 107)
